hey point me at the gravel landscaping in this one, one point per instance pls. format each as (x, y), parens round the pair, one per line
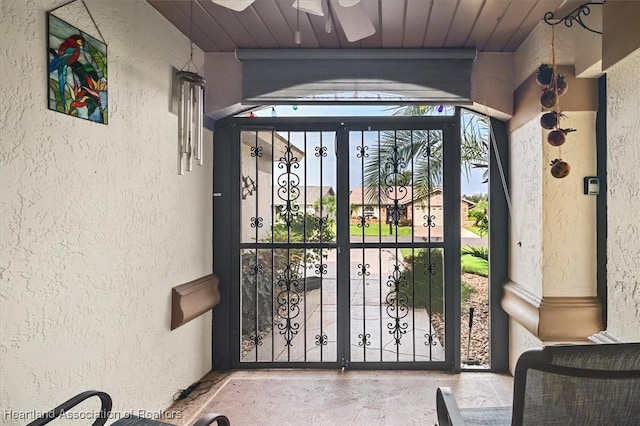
(479, 347)
(479, 300)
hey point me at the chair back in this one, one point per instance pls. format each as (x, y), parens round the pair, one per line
(578, 385)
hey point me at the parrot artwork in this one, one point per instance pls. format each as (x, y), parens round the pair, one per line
(67, 54)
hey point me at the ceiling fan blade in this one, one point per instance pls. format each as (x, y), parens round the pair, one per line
(348, 3)
(237, 5)
(309, 6)
(354, 20)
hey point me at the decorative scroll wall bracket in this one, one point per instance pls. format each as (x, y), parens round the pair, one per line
(575, 16)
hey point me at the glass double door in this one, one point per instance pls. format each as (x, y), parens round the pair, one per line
(347, 238)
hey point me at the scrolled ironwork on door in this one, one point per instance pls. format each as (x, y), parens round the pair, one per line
(288, 186)
(288, 301)
(397, 304)
(315, 289)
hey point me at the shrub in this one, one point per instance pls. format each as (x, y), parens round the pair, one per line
(257, 293)
(424, 283)
(405, 222)
(479, 251)
(476, 215)
(480, 214)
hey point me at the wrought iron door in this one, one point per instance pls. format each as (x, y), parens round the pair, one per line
(288, 246)
(347, 243)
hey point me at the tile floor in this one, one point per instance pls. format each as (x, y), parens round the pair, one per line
(327, 397)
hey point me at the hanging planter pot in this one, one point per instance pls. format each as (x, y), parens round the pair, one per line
(550, 120)
(560, 168)
(548, 99)
(561, 84)
(558, 137)
(544, 75)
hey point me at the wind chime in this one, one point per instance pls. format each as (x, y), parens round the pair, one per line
(190, 113)
(555, 85)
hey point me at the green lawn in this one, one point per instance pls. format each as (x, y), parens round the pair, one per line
(475, 265)
(406, 252)
(374, 230)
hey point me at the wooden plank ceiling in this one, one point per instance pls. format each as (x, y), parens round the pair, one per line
(487, 25)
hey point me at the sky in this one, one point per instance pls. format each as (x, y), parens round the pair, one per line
(471, 183)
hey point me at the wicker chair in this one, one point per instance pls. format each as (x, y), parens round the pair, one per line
(562, 385)
(102, 416)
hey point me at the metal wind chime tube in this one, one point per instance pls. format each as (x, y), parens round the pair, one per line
(181, 138)
(190, 120)
(199, 107)
(189, 127)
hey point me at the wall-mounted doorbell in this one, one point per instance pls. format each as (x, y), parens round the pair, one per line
(591, 185)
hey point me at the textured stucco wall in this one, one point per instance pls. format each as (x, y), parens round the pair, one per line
(492, 82)
(525, 180)
(96, 224)
(588, 46)
(588, 58)
(569, 218)
(529, 163)
(520, 340)
(553, 220)
(623, 199)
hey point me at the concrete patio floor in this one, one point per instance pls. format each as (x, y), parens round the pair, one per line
(348, 397)
(328, 397)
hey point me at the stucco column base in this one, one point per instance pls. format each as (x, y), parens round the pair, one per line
(553, 319)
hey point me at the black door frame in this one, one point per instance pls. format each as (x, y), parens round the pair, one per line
(450, 126)
(225, 336)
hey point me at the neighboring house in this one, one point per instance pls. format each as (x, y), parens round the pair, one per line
(260, 172)
(309, 198)
(257, 176)
(433, 205)
(377, 207)
(364, 205)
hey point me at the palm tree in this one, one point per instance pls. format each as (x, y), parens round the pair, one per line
(415, 157)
